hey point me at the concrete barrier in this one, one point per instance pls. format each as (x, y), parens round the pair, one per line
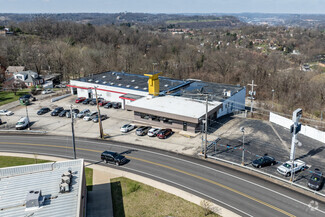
(60, 97)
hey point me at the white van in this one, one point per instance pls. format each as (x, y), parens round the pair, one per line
(22, 123)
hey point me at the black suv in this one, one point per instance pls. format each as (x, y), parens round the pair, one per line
(43, 111)
(117, 105)
(113, 157)
(57, 111)
(316, 180)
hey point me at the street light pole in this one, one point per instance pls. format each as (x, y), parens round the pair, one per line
(28, 125)
(99, 117)
(242, 129)
(72, 129)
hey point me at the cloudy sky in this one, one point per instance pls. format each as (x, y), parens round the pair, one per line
(163, 6)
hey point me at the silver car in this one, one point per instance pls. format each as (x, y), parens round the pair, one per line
(83, 113)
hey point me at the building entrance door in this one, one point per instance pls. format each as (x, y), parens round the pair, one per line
(184, 126)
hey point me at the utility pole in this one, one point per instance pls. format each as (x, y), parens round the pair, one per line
(272, 97)
(252, 93)
(99, 117)
(206, 126)
(294, 129)
(28, 125)
(242, 129)
(72, 129)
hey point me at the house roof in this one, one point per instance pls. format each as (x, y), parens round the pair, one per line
(14, 69)
(30, 76)
(16, 182)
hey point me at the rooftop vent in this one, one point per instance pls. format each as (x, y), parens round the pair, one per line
(90, 80)
(65, 185)
(145, 88)
(136, 87)
(112, 83)
(118, 78)
(128, 85)
(226, 93)
(119, 85)
(133, 81)
(113, 73)
(104, 82)
(97, 81)
(34, 199)
(166, 85)
(104, 76)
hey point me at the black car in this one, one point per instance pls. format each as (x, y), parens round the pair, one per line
(57, 111)
(143, 130)
(63, 113)
(263, 161)
(108, 105)
(117, 105)
(86, 101)
(68, 114)
(113, 157)
(316, 180)
(28, 96)
(43, 111)
(93, 102)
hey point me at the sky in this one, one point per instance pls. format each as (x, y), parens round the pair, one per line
(163, 6)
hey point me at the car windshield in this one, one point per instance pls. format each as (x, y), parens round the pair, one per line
(20, 123)
(259, 160)
(287, 165)
(87, 115)
(125, 126)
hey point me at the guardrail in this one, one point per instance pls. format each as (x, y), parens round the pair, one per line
(60, 97)
(265, 174)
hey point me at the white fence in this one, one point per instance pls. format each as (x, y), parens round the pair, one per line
(305, 130)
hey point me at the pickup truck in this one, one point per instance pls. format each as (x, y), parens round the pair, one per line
(285, 169)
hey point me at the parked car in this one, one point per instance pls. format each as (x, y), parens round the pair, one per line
(62, 114)
(47, 91)
(74, 111)
(164, 133)
(6, 112)
(102, 117)
(127, 127)
(86, 101)
(90, 116)
(57, 111)
(113, 157)
(264, 161)
(28, 96)
(143, 130)
(0, 121)
(80, 99)
(117, 105)
(103, 102)
(316, 180)
(93, 102)
(22, 123)
(153, 132)
(285, 169)
(108, 105)
(60, 86)
(83, 113)
(43, 111)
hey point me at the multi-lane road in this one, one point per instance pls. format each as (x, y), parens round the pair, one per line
(243, 194)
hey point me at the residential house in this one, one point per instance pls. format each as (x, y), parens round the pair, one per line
(13, 69)
(30, 78)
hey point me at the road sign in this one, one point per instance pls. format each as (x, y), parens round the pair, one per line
(296, 115)
(297, 130)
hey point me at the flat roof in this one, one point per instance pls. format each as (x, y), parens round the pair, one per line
(180, 106)
(129, 81)
(16, 182)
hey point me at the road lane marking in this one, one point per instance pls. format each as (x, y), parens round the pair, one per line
(171, 168)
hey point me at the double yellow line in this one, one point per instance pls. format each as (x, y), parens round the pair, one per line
(167, 167)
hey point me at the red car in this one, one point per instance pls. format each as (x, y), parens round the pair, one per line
(103, 102)
(80, 99)
(164, 133)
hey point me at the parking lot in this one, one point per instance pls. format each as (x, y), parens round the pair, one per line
(261, 137)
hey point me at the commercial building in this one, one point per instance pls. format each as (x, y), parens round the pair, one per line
(49, 189)
(179, 104)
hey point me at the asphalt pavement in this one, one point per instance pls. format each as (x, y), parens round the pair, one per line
(242, 193)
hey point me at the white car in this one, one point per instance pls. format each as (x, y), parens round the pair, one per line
(6, 112)
(285, 169)
(47, 91)
(89, 116)
(127, 127)
(153, 132)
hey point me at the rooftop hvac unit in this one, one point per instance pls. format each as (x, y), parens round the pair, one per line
(145, 88)
(118, 78)
(136, 87)
(34, 199)
(166, 85)
(66, 181)
(119, 85)
(113, 73)
(90, 80)
(128, 85)
(132, 81)
(97, 81)
(104, 76)
(112, 83)
(104, 82)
